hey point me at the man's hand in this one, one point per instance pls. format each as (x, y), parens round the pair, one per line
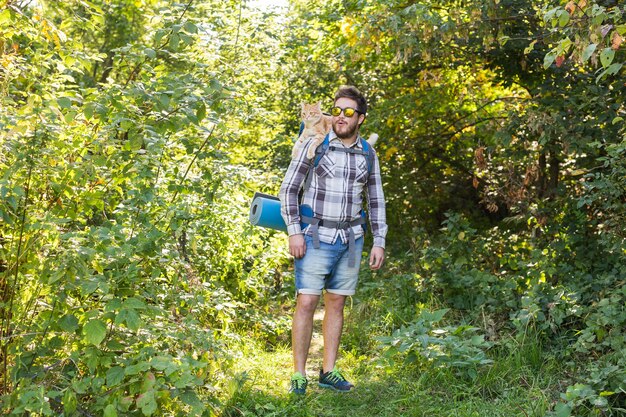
(377, 257)
(297, 245)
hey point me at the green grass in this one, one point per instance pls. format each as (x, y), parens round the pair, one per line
(524, 378)
(520, 382)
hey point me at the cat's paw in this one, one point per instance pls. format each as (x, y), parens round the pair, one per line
(310, 153)
(315, 142)
(297, 148)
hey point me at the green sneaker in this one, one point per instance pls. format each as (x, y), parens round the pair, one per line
(298, 384)
(334, 380)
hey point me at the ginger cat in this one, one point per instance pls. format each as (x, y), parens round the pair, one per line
(316, 127)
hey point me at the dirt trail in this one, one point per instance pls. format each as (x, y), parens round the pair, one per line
(316, 350)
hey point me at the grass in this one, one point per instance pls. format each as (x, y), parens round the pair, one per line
(518, 383)
(523, 380)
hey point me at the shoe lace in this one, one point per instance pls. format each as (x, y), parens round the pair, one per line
(335, 376)
(298, 382)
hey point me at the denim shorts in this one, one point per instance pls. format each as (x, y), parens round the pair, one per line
(327, 268)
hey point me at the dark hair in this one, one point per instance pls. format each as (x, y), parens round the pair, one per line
(351, 92)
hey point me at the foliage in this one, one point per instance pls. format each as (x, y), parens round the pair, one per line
(124, 259)
(133, 134)
(454, 347)
(589, 31)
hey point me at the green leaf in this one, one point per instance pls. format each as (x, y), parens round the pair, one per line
(149, 380)
(134, 303)
(588, 52)
(114, 304)
(190, 27)
(612, 70)
(549, 15)
(160, 362)
(64, 102)
(606, 57)
(478, 340)
(563, 17)
(5, 16)
(149, 52)
(69, 117)
(549, 59)
(95, 331)
(68, 323)
(562, 410)
(130, 317)
(189, 397)
(159, 35)
(110, 411)
(201, 112)
(434, 316)
(173, 43)
(564, 46)
(69, 402)
(617, 120)
(147, 403)
(115, 375)
(137, 368)
(600, 402)
(88, 110)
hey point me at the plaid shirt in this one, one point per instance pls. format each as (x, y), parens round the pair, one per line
(335, 193)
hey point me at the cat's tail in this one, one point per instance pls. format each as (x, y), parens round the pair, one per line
(372, 139)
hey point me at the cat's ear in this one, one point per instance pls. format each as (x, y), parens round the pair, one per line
(318, 105)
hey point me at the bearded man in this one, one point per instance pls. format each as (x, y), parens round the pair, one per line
(328, 250)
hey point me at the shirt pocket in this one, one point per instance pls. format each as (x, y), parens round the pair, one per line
(361, 170)
(326, 167)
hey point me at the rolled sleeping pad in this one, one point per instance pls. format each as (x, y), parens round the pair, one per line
(265, 212)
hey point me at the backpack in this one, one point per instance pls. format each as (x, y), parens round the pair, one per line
(305, 211)
(367, 152)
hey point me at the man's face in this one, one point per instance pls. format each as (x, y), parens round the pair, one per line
(346, 127)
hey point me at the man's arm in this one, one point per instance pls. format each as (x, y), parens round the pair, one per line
(377, 214)
(289, 204)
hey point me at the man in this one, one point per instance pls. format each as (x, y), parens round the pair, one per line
(328, 251)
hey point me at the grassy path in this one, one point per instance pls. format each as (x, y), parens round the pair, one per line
(515, 385)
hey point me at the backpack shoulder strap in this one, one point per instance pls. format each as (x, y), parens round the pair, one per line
(321, 150)
(369, 155)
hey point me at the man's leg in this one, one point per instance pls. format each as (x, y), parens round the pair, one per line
(332, 328)
(302, 329)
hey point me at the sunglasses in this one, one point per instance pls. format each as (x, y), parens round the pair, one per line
(348, 111)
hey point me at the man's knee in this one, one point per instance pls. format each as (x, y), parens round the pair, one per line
(334, 301)
(307, 303)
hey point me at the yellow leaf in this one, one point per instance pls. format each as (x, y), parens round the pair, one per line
(391, 152)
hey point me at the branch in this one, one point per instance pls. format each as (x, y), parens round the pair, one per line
(487, 104)
(137, 68)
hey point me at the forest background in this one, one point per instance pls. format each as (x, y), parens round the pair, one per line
(135, 132)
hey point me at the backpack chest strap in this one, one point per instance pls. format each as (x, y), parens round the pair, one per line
(315, 223)
(348, 150)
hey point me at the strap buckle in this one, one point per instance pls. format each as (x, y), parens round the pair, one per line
(343, 225)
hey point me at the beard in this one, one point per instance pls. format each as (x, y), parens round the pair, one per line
(347, 130)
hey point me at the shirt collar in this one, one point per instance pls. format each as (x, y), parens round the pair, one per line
(332, 136)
